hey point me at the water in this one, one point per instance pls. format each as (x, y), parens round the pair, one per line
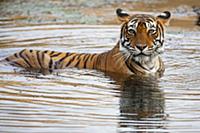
(83, 101)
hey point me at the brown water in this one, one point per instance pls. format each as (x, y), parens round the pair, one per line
(86, 101)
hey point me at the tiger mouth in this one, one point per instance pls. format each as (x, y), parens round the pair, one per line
(142, 53)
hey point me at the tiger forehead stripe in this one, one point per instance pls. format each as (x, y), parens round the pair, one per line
(133, 23)
(148, 20)
(151, 25)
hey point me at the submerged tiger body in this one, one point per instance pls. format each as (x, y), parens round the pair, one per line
(137, 51)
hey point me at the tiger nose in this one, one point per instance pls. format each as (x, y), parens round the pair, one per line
(141, 47)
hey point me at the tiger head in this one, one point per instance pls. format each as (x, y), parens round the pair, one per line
(142, 35)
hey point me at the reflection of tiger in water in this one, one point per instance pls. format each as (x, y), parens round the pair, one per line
(137, 51)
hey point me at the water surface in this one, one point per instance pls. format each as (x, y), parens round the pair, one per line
(78, 101)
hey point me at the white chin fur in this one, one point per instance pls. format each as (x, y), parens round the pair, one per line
(142, 58)
(147, 62)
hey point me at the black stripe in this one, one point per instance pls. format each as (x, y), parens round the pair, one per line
(56, 54)
(50, 64)
(16, 55)
(14, 63)
(98, 60)
(66, 55)
(161, 37)
(85, 60)
(52, 52)
(77, 63)
(161, 29)
(159, 32)
(91, 58)
(46, 51)
(38, 58)
(123, 30)
(127, 64)
(21, 51)
(27, 62)
(60, 61)
(155, 34)
(70, 61)
(31, 50)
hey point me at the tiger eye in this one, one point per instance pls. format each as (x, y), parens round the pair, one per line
(132, 32)
(152, 31)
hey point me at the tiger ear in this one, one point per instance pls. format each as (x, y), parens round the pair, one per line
(164, 17)
(122, 15)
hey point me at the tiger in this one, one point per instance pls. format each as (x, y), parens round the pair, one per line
(137, 52)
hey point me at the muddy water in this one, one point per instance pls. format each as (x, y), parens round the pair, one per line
(82, 101)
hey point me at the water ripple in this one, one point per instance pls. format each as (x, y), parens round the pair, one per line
(74, 100)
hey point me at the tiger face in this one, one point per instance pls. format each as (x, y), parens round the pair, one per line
(142, 36)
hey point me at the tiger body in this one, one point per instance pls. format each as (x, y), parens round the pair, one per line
(137, 51)
(110, 61)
